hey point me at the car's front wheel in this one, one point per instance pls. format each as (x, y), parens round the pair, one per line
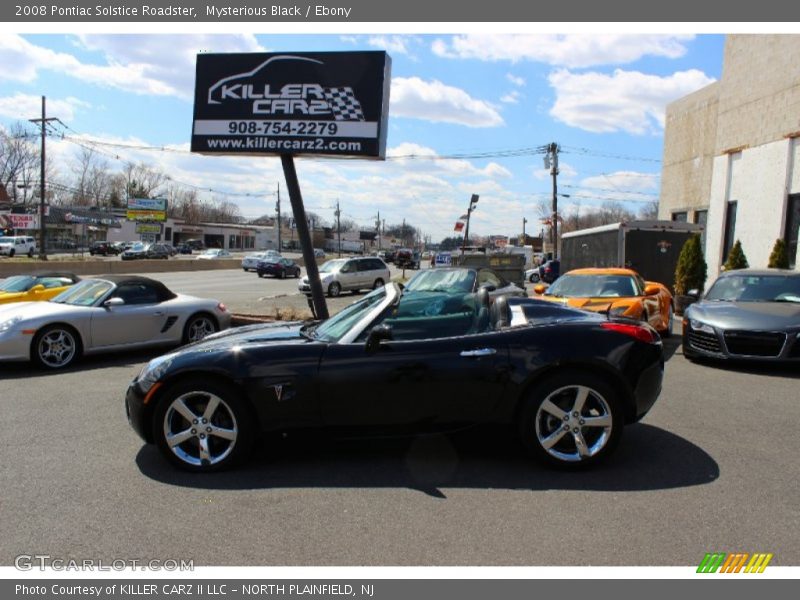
(203, 425)
(56, 347)
(571, 420)
(198, 327)
(30, 253)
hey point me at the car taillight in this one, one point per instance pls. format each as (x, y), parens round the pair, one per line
(221, 307)
(642, 333)
(547, 269)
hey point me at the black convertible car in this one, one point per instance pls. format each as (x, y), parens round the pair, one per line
(747, 314)
(566, 380)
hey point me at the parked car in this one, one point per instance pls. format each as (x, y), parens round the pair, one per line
(103, 248)
(547, 272)
(405, 258)
(278, 267)
(349, 274)
(183, 249)
(112, 312)
(618, 292)
(36, 287)
(137, 251)
(195, 244)
(566, 380)
(17, 245)
(464, 280)
(319, 253)
(250, 262)
(747, 314)
(161, 251)
(214, 254)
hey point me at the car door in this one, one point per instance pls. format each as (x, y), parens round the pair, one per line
(422, 382)
(138, 321)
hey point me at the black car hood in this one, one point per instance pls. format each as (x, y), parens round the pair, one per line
(268, 333)
(747, 315)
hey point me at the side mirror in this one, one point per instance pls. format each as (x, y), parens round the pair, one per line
(488, 287)
(376, 335)
(37, 289)
(694, 294)
(539, 289)
(112, 302)
(651, 290)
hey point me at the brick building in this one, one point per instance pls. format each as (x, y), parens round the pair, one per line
(732, 152)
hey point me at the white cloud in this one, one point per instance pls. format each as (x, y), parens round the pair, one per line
(512, 97)
(623, 180)
(517, 81)
(623, 101)
(434, 101)
(573, 50)
(394, 44)
(26, 106)
(139, 64)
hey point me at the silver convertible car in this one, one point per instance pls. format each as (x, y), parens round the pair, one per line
(104, 314)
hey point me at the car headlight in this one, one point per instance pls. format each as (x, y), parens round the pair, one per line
(9, 323)
(617, 311)
(700, 326)
(154, 370)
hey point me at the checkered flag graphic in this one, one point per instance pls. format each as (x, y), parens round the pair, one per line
(343, 104)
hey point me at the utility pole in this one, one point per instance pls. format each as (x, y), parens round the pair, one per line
(551, 162)
(339, 226)
(378, 229)
(472, 202)
(42, 232)
(278, 210)
(524, 221)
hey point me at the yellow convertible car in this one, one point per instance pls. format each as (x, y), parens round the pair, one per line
(31, 288)
(620, 292)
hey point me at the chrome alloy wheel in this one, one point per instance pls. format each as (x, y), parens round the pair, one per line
(573, 423)
(57, 348)
(200, 428)
(199, 328)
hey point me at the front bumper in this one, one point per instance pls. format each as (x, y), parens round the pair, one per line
(140, 416)
(749, 345)
(15, 345)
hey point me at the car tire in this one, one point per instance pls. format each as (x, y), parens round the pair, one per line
(282, 275)
(260, 274)
(297, 274)
(334, 290)
(534, 278)
(670, 323)
(11, 253)
(178, 424)
(378, 283)
(198, 327)
(56, 347)
(552, 432)
(30, 253)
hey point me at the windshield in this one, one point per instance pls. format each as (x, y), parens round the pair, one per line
(138, 247)
(332, 266)
(341, 323)
(756, 288)
(6, 240)
(433, 280)
(18, 283)
(85, 293)
(594, 286)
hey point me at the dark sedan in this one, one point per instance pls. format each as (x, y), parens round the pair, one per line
(137, 251)
(747, 314)
(103, 249)
(278, 266)
(567, 381)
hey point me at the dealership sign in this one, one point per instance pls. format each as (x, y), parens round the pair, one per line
(147, 209)
(21, 221)
(148, 227)
(324, 103)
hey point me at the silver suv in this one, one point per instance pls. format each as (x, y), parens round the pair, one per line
(349, 274)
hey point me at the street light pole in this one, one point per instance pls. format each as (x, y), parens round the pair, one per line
(472, 202)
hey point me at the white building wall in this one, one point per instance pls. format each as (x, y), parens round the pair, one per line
(757, 178)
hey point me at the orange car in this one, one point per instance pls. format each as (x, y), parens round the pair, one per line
(621, 292)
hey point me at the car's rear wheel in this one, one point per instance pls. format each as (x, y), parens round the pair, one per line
(282, 274)
(334, 289)
(30, 253)
(534, 278)
(56, 347)
(198, 327)
(378, 283)
(571, 420)
(260, 274)
(203, 425)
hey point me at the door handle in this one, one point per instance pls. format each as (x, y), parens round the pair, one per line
(159, 313)
(478, 353)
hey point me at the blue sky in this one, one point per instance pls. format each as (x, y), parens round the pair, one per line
(601, 97)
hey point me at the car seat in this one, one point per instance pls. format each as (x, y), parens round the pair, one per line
(500, 313)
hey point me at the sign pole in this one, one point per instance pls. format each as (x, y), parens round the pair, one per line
(304, 235)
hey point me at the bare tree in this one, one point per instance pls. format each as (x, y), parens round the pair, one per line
(93, 184)
(19, 162)
(649, 212)
(144, 181)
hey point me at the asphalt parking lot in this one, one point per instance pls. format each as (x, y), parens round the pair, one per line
(712, 467)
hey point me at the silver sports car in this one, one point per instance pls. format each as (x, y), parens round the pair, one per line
(747, 314)
(114, 312)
